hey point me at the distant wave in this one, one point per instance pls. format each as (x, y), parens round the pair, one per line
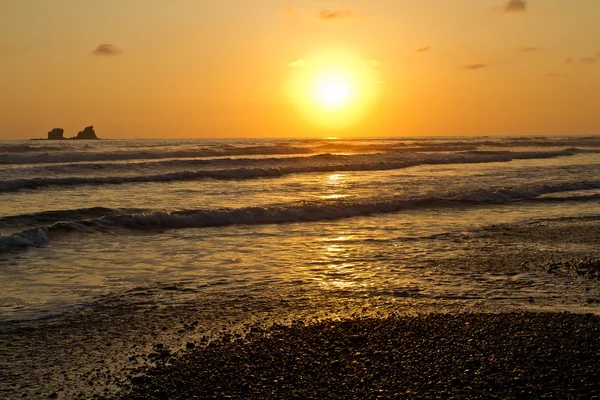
(215, 162)
(301, 212)
(155, 154)
(590, 141)
(17, 148)
(141, 166)
(396, 147)
(440, 144)
(269, 172)
(52, 153)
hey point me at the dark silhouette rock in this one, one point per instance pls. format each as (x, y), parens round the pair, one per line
(56, 134)
(87, 133)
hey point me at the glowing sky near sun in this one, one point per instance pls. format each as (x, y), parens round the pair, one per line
(189, 68)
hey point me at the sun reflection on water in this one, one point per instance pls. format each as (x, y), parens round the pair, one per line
(337, 268)
(335, 187)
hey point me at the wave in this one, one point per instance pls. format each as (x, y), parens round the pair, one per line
(300, 212)
(22, 154)
(263, 162)
(455, 144)
(17, 148)
(396, 147)
(54, 216)
(79, 168)
(514, 142)
(270, 172)
(437, 144)
(123, 155)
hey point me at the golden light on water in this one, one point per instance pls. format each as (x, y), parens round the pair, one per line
(333, 88)
(335, 187)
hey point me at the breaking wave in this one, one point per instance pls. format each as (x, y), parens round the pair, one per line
(54, 216)
(299, 212)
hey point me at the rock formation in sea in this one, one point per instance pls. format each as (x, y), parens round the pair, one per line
(87, 133)
(56, 134)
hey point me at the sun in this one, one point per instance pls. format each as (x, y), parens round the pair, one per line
(334, 88)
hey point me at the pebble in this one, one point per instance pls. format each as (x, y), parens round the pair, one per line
(508, 355)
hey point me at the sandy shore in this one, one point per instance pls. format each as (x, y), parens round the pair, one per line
(508, 355)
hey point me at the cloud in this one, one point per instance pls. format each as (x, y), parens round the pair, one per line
(290, 11)
(106, 50)
(422, 49)
(557, 75)
(373, 63)
(474, 66)
(297, 64)
(515, 6)
(587, 60)
(530, 49)
(336, 15)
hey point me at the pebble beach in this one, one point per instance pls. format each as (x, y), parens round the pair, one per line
(437, 356)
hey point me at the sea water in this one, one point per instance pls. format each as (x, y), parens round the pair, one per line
(307, 222)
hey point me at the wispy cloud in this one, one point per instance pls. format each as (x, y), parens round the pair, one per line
(297, 64)
(515, 6)
(290, 12)
(423, 49)
(474, 66)
(557, 75)
(587, 60)
(530, 49)
(336, 15)
(106, 50)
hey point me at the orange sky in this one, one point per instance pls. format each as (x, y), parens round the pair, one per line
(194, 68)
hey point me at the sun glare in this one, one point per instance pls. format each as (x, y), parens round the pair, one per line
(333, 89)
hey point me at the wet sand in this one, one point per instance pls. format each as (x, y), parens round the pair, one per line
(508, 355)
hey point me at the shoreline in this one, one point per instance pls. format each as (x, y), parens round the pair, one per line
(98, 350)
(464, 355)
(428, 355)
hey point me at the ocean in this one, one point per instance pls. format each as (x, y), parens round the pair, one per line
(387, 222)
(111, 249)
